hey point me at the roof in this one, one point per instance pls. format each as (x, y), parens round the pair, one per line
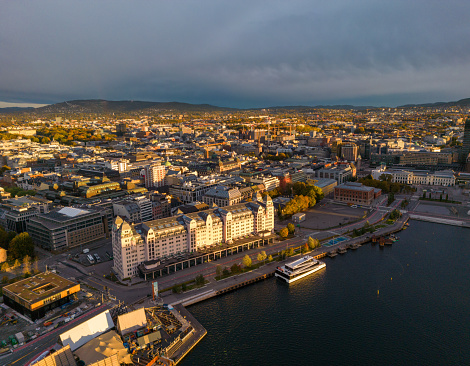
(62, 357)
(128, 322)
(72, 212)
(101, 350)
(40, 286)
(86, 331)
(149, 338)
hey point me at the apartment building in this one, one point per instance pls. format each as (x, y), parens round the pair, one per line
(270, 183)
(153, 175)
(164, 238)
(222, 196)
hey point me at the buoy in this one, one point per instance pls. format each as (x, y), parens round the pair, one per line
(391, 278)
(377, 292)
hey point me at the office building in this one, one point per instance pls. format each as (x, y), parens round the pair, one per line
(164, 238)
(68, 227)
(36, 295)
(356, 193)
(222, 196)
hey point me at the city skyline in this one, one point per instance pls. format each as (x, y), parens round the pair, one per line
(244, 54)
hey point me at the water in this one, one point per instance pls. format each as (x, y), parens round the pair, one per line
(407, 304)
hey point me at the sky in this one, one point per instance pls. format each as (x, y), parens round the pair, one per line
(236, 53)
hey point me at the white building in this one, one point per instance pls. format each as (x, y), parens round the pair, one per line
(153, 175)
(269, 182)
(164, 238)
(222, 196)
(444, 178)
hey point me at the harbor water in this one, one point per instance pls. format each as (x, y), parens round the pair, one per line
(405, 304)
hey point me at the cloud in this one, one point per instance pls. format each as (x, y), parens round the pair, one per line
(243, 53)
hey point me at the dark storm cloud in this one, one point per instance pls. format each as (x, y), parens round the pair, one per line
(242, 53)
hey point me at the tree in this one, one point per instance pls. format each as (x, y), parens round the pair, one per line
(247, 261)
(218, 270)
(22, 245)
(235, 268)
(290, 252)
(27, 264)
(284, 232)
(291, 228)
(200, 280)
(5, 279)
(391, 198)
(17, 264)
(226, 271)
(270, 258)
(304, 248)
(313, 243)
(3, 239)
(5, 267)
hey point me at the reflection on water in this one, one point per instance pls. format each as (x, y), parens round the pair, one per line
(401, 305)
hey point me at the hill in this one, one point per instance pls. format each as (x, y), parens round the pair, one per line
(107, 106)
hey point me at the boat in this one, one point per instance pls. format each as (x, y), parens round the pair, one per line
(342, 250)
(354, 246)
(332, 253)
(298, 269)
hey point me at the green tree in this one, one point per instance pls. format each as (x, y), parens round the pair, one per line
(247, 261)
(235, 268)
(226, 271)
(284, 232)
(218, 270)
(291, 228)
(22, 245)
(200, 280)
(4, 242)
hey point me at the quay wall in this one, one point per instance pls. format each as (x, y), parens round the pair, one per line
(439, 220)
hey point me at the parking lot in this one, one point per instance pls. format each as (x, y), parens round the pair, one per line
(329, 215)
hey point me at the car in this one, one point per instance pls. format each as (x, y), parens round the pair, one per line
(97, 257)
(85, 251)
(354, 206)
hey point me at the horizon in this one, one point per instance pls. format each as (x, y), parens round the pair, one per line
(4, 104)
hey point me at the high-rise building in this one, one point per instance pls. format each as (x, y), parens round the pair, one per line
(153, 175)
(349, 151)
(466, 141)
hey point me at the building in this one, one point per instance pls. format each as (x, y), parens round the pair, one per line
(270, 183)
(3, 255)
(298, 217)
(191, 191)
(340, 173)
(136, 209)
(16, 212)
(153, 175)
(68, 227)
(466, 142)
(356, 193)
(349, 151)
(161, 205)
(228, 166)
(444, 178)
(36, 295)
(326, 185)
(61, 357)
(222, 196)
(165, 238)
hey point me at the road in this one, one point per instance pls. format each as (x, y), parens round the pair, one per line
(25, 354)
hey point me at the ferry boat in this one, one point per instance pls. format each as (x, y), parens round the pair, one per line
(298, 269)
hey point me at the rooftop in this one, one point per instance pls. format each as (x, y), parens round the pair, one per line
(39, 287)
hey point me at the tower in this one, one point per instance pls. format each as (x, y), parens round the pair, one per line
(466, 142)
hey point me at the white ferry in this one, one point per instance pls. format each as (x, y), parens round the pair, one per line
(298, 269)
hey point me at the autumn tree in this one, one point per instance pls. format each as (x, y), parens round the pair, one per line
(284, 232)
(247, 261)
